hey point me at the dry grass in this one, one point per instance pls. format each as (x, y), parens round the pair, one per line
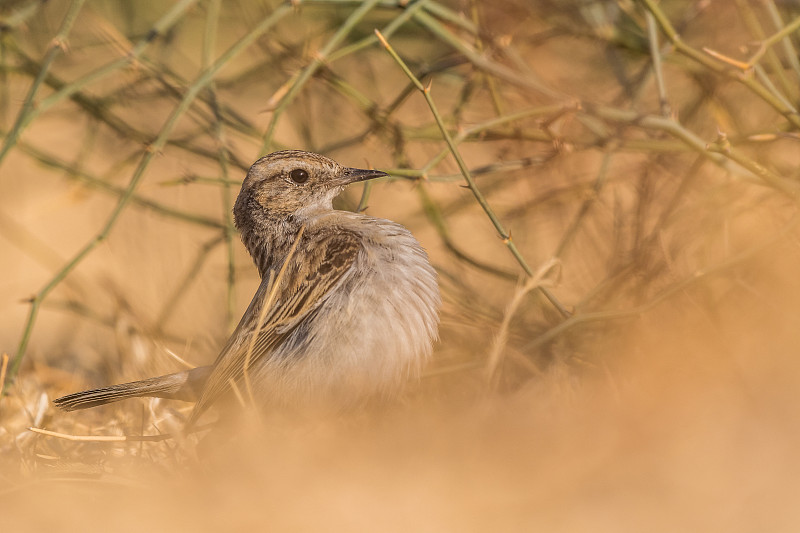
(655, 201)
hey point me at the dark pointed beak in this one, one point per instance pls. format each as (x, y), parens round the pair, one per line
(352, 175)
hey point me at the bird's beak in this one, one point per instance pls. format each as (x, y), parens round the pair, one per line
(352, 175)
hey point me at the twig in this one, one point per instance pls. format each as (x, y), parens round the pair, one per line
(717, 66)
(504, 235)
(265, 308)
(320, 57)
(201, 82)
(57, 45)
(104, 186)
(22, 14)
(103, 438)
(495, 358)
(194, 270)
(655, 54)
(3, 368)
(752, 22)
(29, 112)
(713, 151)
(572, 229)
(435, 216)
(362, 203)
(482, 62)
(783, 36)
(388, 30)
(225, 192)
(604, 316)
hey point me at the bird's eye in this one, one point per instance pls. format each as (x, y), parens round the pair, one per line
(299, 175)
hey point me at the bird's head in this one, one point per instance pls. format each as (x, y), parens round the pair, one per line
(293, 184)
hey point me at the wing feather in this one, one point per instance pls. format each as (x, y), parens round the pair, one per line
(314, 271)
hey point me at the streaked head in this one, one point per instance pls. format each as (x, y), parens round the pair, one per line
(293, 183)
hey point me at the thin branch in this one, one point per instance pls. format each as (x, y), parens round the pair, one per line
(57, 45)
(297, 82)
(504, 235)
(200, 83)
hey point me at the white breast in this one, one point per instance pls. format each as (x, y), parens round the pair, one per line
(369, 337)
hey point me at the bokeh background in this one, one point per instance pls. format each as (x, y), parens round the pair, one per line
(619, 341)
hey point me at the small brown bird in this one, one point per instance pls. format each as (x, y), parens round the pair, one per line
(347, 307)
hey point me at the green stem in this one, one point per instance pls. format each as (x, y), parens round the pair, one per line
(225, 192)
(57, 45)
(320, 57)
(504, 235)
(200, 83)
(745, 78)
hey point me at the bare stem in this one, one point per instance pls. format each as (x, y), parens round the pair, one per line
(57, 46)
(199, 84)
(504, 235)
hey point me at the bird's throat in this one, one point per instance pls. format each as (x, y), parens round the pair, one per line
(269, 246)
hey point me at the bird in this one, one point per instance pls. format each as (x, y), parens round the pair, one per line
(347, 308)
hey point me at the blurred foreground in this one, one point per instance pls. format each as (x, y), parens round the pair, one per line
(691, 425)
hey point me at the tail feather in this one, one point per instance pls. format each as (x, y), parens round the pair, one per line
(179, 386)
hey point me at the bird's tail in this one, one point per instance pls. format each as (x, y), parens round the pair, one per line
(184, 385)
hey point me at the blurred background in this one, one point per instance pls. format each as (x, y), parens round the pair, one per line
(619, 341)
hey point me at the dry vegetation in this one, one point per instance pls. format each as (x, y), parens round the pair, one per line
(620, 336)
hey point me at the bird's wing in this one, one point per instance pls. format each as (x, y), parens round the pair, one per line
(313, 272)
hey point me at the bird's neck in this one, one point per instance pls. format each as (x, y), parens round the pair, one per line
(269, 246)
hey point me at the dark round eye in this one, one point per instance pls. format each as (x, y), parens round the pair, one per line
(299, 175)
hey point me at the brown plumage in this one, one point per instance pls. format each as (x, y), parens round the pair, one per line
(347, 307)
